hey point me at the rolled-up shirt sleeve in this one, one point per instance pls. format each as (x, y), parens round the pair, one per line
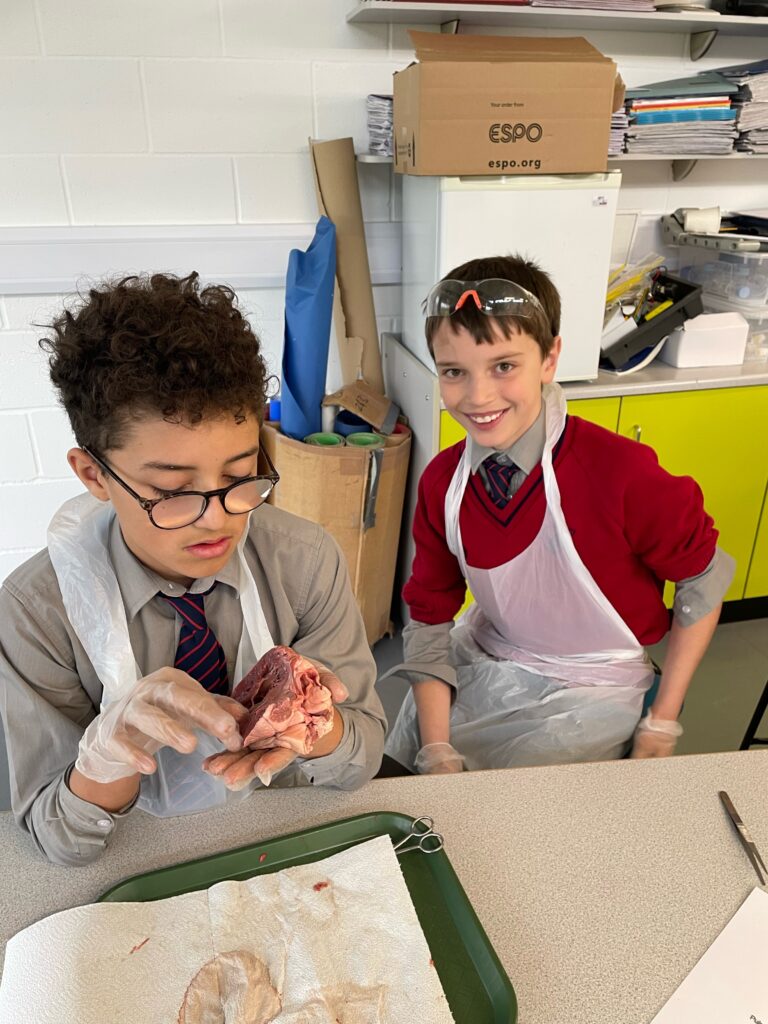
(45, 709)
(698, 595)
(426, 653)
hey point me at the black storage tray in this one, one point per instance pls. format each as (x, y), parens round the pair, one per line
(686, 303)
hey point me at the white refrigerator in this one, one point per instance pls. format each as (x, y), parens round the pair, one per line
(563, 222)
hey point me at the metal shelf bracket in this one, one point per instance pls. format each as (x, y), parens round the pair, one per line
(682, 168)
(700, 42)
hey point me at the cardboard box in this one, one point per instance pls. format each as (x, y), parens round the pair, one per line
(357, 495)
(477, 105)
(354, 316)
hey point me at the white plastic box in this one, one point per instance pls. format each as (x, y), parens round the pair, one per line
(711, 339)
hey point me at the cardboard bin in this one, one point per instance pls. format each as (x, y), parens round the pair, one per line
(477, 105)
(357, 495)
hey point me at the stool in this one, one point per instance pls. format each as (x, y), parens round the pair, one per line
(750, 740)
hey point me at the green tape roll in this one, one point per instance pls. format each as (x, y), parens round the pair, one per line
(365, 440)
(324, 440)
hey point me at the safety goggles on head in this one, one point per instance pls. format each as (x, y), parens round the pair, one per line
(492, 296)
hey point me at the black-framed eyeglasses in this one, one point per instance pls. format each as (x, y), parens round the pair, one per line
(182, 508)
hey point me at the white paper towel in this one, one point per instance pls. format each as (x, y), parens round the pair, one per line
(336, 937)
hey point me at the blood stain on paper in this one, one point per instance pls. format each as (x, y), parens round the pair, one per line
(318, 886)
(137, 948)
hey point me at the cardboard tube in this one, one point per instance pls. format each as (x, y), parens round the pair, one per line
(324, 439)
(366, 440)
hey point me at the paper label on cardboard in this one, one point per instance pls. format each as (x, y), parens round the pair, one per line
(361, 399)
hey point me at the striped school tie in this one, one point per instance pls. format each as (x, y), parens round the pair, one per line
(199, 653)
(499, 477)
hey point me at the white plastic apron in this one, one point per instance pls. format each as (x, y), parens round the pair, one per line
(78, 538)
(559, 641)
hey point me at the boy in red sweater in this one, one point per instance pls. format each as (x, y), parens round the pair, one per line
(564, 533)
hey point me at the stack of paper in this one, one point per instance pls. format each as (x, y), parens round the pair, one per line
(751, 104)
(618, 136)
(684, 116)
(599, 5)
(380, 124)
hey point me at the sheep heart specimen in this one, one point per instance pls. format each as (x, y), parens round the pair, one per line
(286, 699)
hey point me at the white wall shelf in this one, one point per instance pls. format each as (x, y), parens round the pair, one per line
(682, 165)
(701, 28)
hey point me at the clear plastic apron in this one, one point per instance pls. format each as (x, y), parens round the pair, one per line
(78, 538)
(566, 676)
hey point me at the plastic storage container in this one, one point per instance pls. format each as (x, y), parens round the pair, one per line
(737, 276)
(756, 317)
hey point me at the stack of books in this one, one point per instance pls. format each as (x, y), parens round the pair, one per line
(751, 104)
(599, 5)
(619, 128)
(685, 116)
(379, 124)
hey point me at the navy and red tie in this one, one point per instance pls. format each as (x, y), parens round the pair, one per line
(499, 477)
(199, 653)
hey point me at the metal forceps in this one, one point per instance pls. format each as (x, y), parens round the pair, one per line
(745, 838)
(422, 837)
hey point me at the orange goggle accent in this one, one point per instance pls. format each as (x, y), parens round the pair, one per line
(469, 293)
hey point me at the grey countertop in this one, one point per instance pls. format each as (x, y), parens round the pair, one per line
(599, 885)
(658, 377)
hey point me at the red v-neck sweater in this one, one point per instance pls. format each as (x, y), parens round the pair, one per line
(633, 524)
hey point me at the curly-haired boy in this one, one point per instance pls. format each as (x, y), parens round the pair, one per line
(164, 582)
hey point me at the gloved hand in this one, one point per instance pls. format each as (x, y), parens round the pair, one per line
(161, 710)
(238, 769)
(655, 737)
(438, 759)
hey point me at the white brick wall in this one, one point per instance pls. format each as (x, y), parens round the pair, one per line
(197, 112)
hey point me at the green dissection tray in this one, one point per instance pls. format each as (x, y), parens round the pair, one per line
(478, 990)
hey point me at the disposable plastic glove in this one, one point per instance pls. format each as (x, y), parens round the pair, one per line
(438, 759)
(162, 710)
(237, 770)
(655, 737)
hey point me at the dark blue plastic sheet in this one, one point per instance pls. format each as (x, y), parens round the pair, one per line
(308, 308)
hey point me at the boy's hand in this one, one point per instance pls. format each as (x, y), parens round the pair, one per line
(162, 710)
(655, 737)
(438, 759)
(237, 769)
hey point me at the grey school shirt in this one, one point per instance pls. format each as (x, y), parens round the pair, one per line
(49, 691)
(427, 647)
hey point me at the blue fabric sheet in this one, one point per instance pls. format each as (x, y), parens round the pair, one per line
(308, 308)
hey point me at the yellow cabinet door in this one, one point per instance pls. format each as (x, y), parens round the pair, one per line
(718, 438)
(757, 580)
(603, 411)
